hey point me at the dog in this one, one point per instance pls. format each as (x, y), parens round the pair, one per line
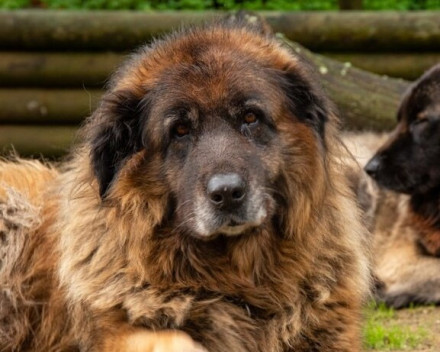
(408, 162)
(404, 213)
(206, 210)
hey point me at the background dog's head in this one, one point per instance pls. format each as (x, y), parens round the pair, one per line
(409, 162)
(216, 119)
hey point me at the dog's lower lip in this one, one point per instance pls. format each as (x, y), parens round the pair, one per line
(233, 230)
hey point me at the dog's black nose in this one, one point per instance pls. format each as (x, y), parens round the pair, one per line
(373, 166)
(226, 191)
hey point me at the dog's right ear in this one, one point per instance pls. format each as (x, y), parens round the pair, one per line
(115, 134)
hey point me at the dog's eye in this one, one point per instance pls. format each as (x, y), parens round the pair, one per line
(181, 130)
(250, 118)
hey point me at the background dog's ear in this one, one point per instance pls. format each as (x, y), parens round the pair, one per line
(307, 102)
(116, 135)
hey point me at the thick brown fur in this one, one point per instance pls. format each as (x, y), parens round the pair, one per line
(131, 275)
(33, 313)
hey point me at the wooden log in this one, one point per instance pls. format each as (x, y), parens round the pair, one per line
(388, 31)
(122, 30)
(50, 141)
(45, 106)
(403, 65)
(82, 30)
(57, 69)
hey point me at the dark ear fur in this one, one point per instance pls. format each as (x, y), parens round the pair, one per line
(115, 134)
(306, 100)
(421, 94)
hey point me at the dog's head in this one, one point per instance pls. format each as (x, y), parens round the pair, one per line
(215, 116)
(409, 160)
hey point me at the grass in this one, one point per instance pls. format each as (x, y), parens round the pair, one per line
(383, 332)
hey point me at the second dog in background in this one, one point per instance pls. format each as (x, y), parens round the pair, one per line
(405, 219)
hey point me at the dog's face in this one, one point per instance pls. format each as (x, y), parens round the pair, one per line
(409, 162)
(217, 134)
(225, 110)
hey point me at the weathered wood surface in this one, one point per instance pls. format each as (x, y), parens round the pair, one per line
(122, 30)
(403, 65)
(361, 31)
(82, 30)
(46, 69)
(49, 141)
(46, 106)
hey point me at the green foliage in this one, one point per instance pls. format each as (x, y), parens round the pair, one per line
(92, 4)
(382, 332)
(402, 4)
(14, 4)
(287, 5)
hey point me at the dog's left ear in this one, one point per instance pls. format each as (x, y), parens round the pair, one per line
(306, 100)
(115, 135)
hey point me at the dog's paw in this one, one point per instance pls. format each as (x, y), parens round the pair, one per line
(162, 341)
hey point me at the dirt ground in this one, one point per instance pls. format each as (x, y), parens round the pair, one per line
(428, 318)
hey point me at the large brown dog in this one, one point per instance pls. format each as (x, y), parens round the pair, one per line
(406, 225)
(206, 210)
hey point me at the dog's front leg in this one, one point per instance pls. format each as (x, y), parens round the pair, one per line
(141, 340)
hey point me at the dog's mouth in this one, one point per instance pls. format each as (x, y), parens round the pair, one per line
(206, 221)
(229, 225)
(233, 226)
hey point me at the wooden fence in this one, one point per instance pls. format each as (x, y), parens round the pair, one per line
(53, 64)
